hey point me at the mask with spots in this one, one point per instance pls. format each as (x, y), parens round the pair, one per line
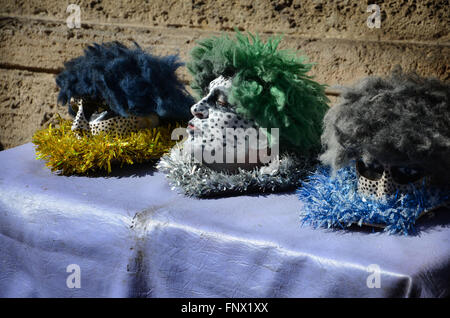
(218, 136)
(95, 118)
(379, 180)
(387, 148)
(125, 103)
(257, 126)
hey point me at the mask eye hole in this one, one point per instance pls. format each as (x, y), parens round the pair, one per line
(372, 171)
(94, 109)
(89, 108)
(221, 99)
(404, 175)
(222, 103)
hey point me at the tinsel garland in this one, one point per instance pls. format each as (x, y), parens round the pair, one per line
(333, 201)
(194, 179)
(68, 154)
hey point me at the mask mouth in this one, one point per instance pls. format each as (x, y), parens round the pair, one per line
(383, 180)
(193, 126)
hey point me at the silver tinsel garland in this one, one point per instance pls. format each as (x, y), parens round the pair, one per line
(194, 179)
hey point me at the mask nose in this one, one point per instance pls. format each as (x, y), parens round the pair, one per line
(200, 110)
(80, 122)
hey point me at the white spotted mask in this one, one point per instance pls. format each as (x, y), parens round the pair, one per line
(214, 118)
(380, 180)
(102, 120)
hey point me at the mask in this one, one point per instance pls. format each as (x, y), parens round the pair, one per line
(383, 180)
(386, 159)
(259, 120)
(95, 119)
(213, 115)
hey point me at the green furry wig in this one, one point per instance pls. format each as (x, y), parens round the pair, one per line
(269, 86)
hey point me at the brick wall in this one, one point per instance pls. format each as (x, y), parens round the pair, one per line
(35, 41)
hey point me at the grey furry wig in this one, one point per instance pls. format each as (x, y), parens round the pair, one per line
(399, 120)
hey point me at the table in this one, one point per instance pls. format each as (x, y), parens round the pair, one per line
(130, 235)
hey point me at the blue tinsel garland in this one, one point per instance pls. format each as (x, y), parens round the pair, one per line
(333, 201)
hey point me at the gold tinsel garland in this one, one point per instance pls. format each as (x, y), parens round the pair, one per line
(69, 154)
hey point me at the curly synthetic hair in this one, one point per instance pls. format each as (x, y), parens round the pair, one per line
(401, 119)
(269, 85)
(129, 81)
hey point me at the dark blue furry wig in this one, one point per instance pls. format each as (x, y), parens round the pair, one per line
(129, 81)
